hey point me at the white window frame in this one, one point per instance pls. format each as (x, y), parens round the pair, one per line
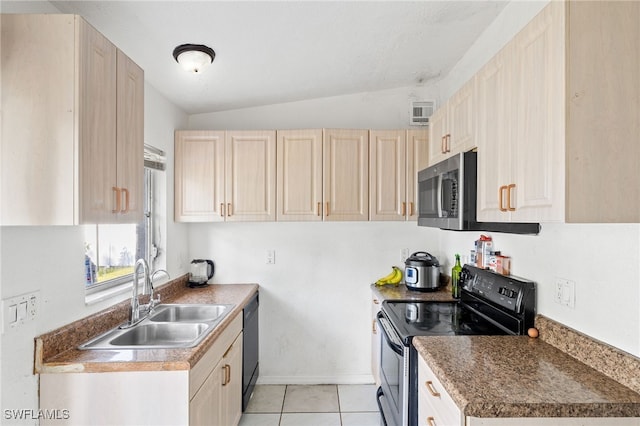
(100, 291)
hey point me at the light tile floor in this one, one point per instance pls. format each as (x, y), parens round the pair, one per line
(312, 405)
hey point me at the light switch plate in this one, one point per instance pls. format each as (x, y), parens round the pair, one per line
(19, 310)
(271, 257)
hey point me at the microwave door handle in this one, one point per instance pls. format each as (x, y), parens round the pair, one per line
(439, 195)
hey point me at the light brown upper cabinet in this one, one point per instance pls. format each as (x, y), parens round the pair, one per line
(299, 175)
(225, 176)
(250, 184)
(346, 174)
(520, 170)
(567, 147)
(494, 96)
(602, 97)
(452, 126)
(72, 134)
(395, 158)
(199, 176)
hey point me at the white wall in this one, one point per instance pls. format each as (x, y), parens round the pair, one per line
(315, 301)
(50, 260)
(602, 259)
(386, 109)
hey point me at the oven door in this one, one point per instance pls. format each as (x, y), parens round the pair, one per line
(394, 375)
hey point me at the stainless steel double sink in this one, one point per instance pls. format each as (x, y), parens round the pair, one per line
(168, 326)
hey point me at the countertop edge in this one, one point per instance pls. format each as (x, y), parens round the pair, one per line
(498, 408)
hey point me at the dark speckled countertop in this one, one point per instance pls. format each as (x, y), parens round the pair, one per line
(401, 292)
(517, 376)
(56, 351)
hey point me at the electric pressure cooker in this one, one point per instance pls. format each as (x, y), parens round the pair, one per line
(422, 272)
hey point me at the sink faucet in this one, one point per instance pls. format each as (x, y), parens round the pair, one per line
(134, 315)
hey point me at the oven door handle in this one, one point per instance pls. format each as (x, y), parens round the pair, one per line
(379, 394)
(394, 345)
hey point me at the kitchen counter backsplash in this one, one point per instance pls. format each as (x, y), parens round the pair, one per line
(612, 362)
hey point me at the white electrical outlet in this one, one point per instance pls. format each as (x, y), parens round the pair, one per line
(557, 294)
(403, 255)
(569, 294)
(271, 257)
(565, 292)
(18, 310)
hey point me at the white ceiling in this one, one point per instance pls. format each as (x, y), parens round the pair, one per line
(274, 52)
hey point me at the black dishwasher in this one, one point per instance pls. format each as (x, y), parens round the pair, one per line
(250, 365)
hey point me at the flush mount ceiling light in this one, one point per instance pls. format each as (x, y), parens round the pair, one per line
(193, 57)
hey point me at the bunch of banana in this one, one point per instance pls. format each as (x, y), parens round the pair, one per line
(393, 278)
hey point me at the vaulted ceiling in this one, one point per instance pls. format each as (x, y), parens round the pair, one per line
(275, 52)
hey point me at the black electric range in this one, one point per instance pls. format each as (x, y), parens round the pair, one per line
(490, 304)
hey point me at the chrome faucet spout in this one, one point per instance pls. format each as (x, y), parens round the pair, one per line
(134, 315)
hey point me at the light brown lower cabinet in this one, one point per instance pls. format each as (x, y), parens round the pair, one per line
(218, 398)
(210, 393)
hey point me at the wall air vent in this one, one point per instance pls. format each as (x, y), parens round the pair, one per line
(420, 112)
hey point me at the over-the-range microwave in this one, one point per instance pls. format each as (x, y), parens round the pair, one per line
(447, 193)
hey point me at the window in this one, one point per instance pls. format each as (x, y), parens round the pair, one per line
(112, 250)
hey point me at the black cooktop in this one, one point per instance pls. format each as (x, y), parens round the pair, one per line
(411, 318)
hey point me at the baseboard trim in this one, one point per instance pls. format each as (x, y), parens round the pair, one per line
(364, 379)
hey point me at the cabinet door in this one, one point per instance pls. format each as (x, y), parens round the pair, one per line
(250, 181)
(231, 401)
(199, 176)
(493, 135)
(299, 175)
(417, 159)
(387, 175)
(603, 112)
(204, 407)
(97, 127)
(346, 174)
(437, 135)
(130, 138)
(537, 190)
(38, 174)
(461, 120)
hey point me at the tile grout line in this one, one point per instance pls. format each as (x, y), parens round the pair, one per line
(284, 397)
(339, 406)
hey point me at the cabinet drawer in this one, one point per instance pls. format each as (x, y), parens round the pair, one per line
(433, 399)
